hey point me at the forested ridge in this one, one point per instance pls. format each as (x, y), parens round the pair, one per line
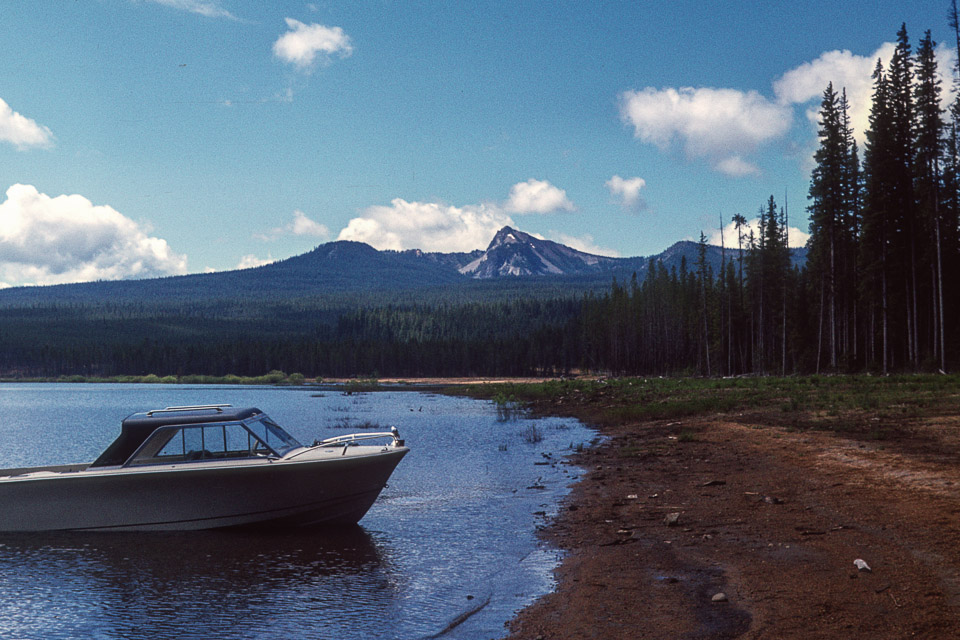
(875, 294)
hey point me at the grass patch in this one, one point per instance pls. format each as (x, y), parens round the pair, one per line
(361, 385)
(852, 405)
(359, 425)
(508, 408)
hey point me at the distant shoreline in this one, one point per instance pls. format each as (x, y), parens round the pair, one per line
(282, 379)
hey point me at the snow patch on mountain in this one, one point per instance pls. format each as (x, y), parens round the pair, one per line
(515, 253)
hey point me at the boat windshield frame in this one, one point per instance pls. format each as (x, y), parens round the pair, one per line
(264, 437)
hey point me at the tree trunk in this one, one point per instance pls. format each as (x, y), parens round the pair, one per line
(833, 306)
(943, 327)
(820, 327)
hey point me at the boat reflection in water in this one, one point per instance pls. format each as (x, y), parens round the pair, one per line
(195, 585)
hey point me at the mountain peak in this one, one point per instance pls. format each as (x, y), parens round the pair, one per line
(515, 253)
(508, 235)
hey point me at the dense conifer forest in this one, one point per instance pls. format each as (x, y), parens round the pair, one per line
(878, 293)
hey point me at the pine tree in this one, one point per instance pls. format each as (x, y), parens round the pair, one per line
(928, 149)
(851, 228)
(878, 220)
(828, 196)
(704, 274)
(906, 228)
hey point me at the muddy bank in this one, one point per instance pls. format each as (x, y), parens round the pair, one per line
(772, 514)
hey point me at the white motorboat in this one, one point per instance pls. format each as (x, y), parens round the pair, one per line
(204, 467)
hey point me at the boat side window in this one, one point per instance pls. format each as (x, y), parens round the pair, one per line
(239, 443)
(213, 441)
(195, 442)
(193, 448)
(162, 445)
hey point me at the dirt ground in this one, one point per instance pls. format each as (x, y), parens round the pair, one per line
(771, 517)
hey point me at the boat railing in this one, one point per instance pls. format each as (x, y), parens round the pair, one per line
(356, 437)
(199, 407)
(352, 439)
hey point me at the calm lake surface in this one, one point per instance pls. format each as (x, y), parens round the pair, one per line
(454, 531)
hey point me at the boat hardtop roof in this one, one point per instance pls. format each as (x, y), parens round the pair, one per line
(137, 427)
(150, 420)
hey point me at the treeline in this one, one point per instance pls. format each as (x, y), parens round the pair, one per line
(500, 338)
(745, 319)
(876, 293)
(885, 231)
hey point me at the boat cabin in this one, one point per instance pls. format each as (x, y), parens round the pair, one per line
(196, 433)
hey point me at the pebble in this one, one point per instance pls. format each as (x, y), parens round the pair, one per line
(719, 597)
(672, 519)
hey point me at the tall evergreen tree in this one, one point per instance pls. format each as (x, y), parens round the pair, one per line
(928, 149)
(828, 196)
(854, 200)
(703, 273)
(878, 223)
(906, 227)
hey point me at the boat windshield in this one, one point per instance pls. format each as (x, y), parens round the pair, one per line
(252, 438)
(273, 435)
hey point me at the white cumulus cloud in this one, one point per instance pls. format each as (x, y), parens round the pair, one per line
(250, 261)
(304, 226)
(301, 225)
(805, 84)
(720, 125)
(537, 196)
(303, 43)
(429, 226)
(737, 167)
(20, 131)
(796, 237)
(725, 126)
(627, 190)
(435, 226)
(45, 240)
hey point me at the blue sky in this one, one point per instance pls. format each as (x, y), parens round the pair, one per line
(154, 137)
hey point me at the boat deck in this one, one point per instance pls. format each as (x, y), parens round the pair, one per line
(57, 468)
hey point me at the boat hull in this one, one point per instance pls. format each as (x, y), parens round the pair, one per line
(261, 493)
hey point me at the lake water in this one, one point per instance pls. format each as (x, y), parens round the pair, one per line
(453, 533)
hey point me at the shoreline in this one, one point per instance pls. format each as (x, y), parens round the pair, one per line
(774, 507)
(281, 379)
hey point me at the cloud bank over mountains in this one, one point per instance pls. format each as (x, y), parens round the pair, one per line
(45, 240)
(436, 226)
